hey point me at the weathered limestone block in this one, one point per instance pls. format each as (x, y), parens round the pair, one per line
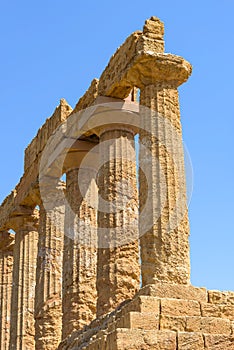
(218, 310)
(173, 323)
(118, 255)
(164, 246)
(38, 143)
(154, 28)
(88, 98)
(218, 297)
(48, 300)
(6, 269)
(124, 339)
(175, 291)
(173, 307)
(24, 282)
(211, 310)
(122, 72)
(80, 258)
(143, 304)
(139, 320)
(219, 342)
(190, 341)
(212, 325)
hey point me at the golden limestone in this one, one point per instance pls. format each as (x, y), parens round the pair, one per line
(100, 260)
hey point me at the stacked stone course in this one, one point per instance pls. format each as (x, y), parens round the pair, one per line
(62, 286)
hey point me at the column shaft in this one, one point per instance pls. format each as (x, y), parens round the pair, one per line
(48, 303)
(80, 258)
(6, 269)
(165, 246)
(24, 281)
(118, 251)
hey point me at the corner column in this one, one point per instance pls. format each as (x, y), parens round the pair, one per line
(165, 246)
(24, 282)
(118, 272)
(80, 258)
(48, 301)
(6, 269)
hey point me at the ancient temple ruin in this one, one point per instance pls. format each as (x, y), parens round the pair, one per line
(101, 260)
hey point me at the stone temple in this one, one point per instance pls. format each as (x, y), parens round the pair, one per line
(101, 260)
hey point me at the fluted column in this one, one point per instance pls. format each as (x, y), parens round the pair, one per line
(80, 258)
(165, 245)
(118, 254)
(48, 301)
(6, 268)
(24, 281)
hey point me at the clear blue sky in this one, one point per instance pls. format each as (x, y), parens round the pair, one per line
(53, 49)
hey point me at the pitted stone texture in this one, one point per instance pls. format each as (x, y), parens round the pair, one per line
(219, 342)
(164, 247)
(118, 274)
(178, 307)
(24, 277)
(6, 269)
(157, 314)
(48, 302)
(212, 325)
(136, 320)
(123, 339)
(88, 98)
(175, 291)
(190, 341)
(218, 310)
(39, 142)
(80, 258)
(218, 297)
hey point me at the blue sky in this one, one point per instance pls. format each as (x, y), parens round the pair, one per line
(53, 49)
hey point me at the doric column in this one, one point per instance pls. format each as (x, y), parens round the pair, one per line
(48, 301)
(164, 245)
(80, 258)
(118, 255)
(6, 268)
(24, 281)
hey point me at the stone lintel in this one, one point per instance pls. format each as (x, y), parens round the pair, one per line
(141, 61)
(148, 68)
(87, 99)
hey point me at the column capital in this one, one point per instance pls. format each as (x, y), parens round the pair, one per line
(26, 221)
(116, 127)
(52, 193)
(157, 68)
(76, 154)
(6, 240)
(111, 114)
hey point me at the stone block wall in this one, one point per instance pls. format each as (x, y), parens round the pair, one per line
(163, 316)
